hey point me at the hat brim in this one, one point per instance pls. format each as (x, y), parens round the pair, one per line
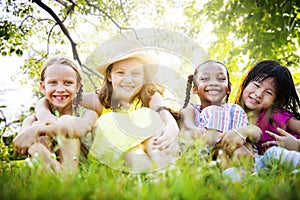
(115, 50)
(145, 59)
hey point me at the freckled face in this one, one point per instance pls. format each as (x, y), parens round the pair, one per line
(60, 85)
(127, 78)
(212, 84)
(259, 95)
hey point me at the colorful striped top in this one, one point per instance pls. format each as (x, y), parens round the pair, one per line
(220, 118)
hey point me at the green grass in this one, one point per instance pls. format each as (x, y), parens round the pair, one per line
(193, 177)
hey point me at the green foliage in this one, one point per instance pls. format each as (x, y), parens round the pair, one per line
(13, 35)
(260, 29)
(192, 178)
(243, 33)
(250, 31)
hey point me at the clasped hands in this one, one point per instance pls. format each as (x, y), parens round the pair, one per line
(65, 125)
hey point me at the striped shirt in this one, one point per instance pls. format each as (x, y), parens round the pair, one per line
(220, 118)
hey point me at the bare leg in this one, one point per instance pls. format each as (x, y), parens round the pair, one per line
(68, 152)
(137, 160)
(39, 152)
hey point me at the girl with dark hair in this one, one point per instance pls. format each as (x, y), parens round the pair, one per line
(215, 117)
(269, 97)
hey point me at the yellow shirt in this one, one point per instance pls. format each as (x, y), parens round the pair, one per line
(117, 132)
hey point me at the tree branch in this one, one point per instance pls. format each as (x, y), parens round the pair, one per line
(62, 27)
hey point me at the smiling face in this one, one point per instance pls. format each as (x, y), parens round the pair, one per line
(259, 95)
(127, 78)
(212, 84)
(60, 86)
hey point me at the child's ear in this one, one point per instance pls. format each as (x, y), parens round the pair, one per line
(79, 85)
(42, 85)
(228, 90)
(195, 89)
(108, 74)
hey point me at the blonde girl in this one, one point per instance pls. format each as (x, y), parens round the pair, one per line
(128, 87)
(56, 143)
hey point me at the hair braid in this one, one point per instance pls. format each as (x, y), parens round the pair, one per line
(188, 90)
(77, 101)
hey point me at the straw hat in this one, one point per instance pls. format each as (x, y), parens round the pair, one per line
(114, 50)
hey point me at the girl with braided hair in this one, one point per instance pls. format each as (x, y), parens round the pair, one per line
(215, 116)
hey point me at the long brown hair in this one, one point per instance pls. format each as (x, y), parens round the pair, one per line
(143, 97)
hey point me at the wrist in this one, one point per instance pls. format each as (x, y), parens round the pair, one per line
(241, 135)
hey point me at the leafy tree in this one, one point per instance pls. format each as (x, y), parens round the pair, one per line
(243, 33)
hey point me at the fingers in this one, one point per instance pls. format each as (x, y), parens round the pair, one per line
(157, 139)
(270, 143)
(220, 137)
(273, 135)
(20, 151)
(19, 148)
(282, 132)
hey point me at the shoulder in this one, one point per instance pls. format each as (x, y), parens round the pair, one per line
(282, 114)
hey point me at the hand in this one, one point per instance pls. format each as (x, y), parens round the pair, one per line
(210, 137)
(197, 132)
(24, 140)
(230, 141)
(283, 139)
(65, 125)
(165, 138)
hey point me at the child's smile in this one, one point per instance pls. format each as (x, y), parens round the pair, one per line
(60, 86)
(127, 78)
(259, 95)
(60, 98)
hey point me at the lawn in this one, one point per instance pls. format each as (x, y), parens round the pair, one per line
(192, 177)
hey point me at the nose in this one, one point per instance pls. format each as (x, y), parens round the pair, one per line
(60, 88)
(259, 93)
(128, 77)
(212, 81)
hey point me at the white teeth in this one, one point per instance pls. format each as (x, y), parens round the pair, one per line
(63, 97)
(127, 87)
(213, 92)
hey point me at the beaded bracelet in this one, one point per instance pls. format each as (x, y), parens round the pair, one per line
(238, 133)
(160, 108)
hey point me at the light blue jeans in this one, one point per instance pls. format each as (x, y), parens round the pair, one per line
(277, 155)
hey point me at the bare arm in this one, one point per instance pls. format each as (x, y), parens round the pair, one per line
(70, 126)
(91, 101)
(188, 117)
(294, 125)
(209, 137)
(171, 129)
(233, 139)
(43, 112)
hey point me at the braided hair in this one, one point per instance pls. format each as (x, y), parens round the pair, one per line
(192, 79)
